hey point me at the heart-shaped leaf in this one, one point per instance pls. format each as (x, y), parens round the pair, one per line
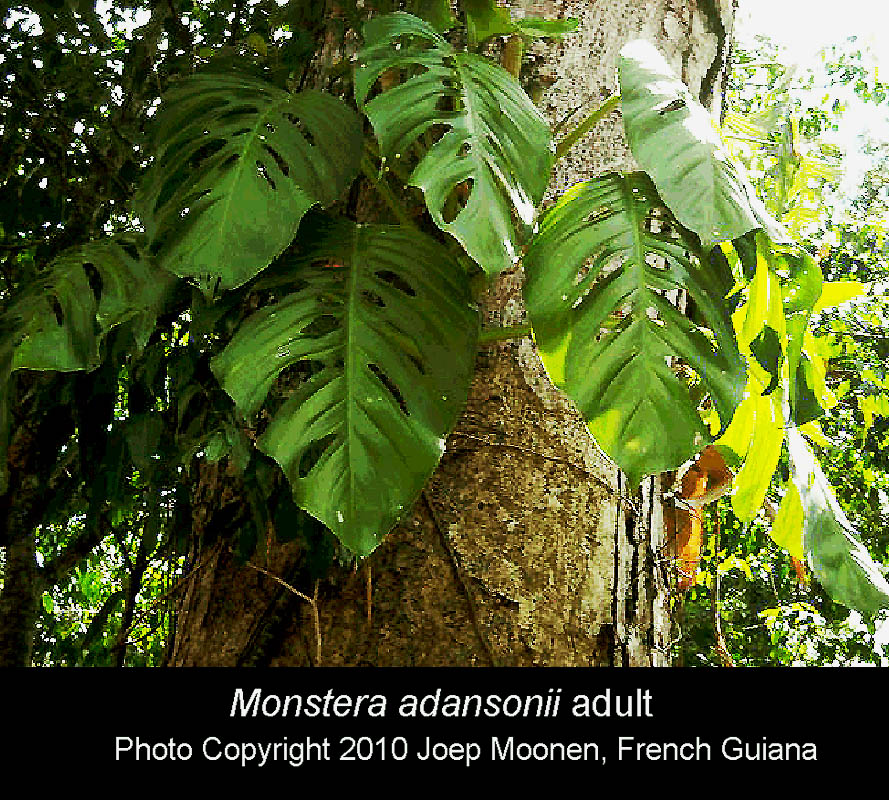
(597, 275)
(384, 333)
(238, 162)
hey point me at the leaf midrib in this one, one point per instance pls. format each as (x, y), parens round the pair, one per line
(350, 368)
(250, 141)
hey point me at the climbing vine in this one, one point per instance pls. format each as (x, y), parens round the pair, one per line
(242, 309)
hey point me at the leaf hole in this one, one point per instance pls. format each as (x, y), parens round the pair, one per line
(372, 298)
(456, 201)
(205, 151)
(581, 274)
(599, 215)
(282, 164)
(301, 127)
(445, 102)
(262, 171)
(94, 279)
(654, 261)
(394, 279)
(319, 327)
(238, 111)
(130, 249)
(497, 150)
(57, 310)
(420, 366)
(673, 105)
(313, 453)
(390, 387)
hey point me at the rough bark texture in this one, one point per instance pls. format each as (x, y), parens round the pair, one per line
(31, 456)
(526, 547)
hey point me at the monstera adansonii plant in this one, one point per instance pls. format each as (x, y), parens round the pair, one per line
(354, 363)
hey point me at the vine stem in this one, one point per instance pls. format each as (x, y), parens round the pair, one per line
(586, 126)
(312, 601)
(725, 655)
(458, 571)
(385, 192)
(505, 333)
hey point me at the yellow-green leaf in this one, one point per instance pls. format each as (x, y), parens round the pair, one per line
(835, 293)
(787, 529)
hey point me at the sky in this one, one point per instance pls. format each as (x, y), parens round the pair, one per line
(803, 28)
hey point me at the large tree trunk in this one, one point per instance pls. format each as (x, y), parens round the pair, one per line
(527, 546)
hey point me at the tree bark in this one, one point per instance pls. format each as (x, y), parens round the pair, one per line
(526, 547)
(31, 456)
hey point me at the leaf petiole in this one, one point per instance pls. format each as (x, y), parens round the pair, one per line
(587, 125)
(386, 193)
(505, 333)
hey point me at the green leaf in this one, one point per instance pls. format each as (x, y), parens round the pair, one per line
(833, 548)
(496, 139)
(805, 283)
(217, 447)
(594, 293)
(238, 162)
(541, 28)
(143, 434)
(59, 321)
(762, 455)
(871, 406)
(436, 12)
(46, 601)
(807, 405)
(787, 529)
(676, 141)
(766, 349)
(836, 293)
(384, 333)
(485, 18)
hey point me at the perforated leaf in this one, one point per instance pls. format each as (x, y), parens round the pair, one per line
(238, 162)
(496, 139)
(596, 279)
(384, 333)
(57, 323)
(676, 142)
(59, 320)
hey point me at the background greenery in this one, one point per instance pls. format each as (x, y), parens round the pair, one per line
(770, 613)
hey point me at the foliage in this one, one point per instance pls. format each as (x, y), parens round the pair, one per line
(177, 313)
(384, 326)
(771, 611)
(596, 275)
